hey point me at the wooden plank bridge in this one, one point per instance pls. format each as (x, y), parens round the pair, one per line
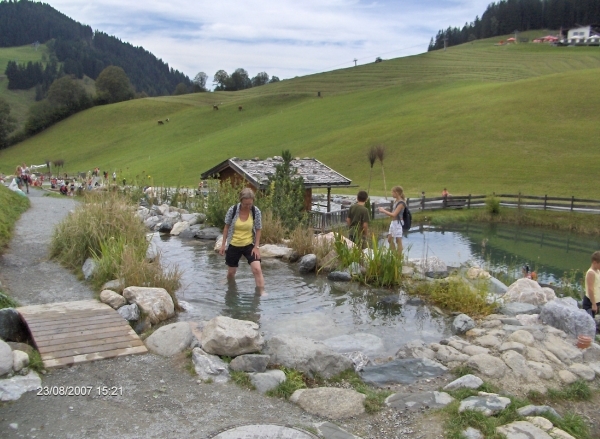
(67, 333)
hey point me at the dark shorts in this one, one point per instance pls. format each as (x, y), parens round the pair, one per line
(234, 254)
(587, 304)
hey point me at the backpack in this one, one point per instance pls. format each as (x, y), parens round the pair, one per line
(235, 210)
(406, 217)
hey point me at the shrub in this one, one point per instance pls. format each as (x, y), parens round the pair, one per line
(492, 205)
(219, 200)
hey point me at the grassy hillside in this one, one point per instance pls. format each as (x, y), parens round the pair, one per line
(476, 118)
(19, 100)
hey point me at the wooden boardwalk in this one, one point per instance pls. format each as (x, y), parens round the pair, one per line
(77, 332)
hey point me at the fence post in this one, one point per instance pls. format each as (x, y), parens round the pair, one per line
(519, 201)
(323, 222)
(469, 202)
(545, 201)
(572, 202)
(373, 210)
(422, 200)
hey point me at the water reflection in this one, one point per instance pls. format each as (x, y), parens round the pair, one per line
(241, 305)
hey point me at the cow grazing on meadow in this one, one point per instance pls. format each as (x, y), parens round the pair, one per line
(240, 108)
(215, 107)
(160, 122)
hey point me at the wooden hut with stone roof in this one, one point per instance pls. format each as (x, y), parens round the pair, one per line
(256, 173)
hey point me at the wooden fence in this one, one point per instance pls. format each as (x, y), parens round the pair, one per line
(325, 221)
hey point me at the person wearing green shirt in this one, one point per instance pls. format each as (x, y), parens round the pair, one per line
(358, 220)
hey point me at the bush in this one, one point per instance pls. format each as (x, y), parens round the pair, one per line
(219, 200)
(492, 205)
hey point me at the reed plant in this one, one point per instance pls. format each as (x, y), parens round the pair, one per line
(383, 266)
(302, 241)
(273, 231)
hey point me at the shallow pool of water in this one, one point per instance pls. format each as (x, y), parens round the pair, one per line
(311, 306)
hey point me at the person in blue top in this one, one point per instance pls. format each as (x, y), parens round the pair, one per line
(241, 237)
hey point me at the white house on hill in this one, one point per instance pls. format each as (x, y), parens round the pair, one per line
(583, 35)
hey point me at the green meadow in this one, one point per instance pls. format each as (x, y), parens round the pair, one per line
(477, 118)
(19, 100)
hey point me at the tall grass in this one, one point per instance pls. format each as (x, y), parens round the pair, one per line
(455, 294)
(302, 240)
(273, 231)
(106, 228)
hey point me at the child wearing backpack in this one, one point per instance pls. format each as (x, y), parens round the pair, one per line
(397, 213)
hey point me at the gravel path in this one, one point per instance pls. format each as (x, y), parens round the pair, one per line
(159, 397)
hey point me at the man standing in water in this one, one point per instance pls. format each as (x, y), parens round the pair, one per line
(358, 220)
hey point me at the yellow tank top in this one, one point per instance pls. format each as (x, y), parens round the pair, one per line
(596, 285)
(242, 232)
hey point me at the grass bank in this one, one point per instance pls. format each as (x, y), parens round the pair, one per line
(12, 205)
(585, 224)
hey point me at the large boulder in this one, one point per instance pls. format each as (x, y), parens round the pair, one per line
(462, 323)
(265, 381)
(527, 291)
(131, 313)
(330, 402)
(179, 227)
(306, 355)
(170, 339)
(12, 327)
(563, 315)
(250, 363)
(226, 336)
(518, 309)
(88, 269)
(155, 303)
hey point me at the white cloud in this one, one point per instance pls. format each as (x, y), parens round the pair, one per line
(284, 38)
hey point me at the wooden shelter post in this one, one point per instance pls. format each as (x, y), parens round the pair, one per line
(329, 199)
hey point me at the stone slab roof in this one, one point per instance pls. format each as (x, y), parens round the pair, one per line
(257, 172)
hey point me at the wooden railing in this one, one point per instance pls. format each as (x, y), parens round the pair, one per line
(325, 221)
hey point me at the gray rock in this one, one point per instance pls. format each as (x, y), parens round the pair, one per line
(12, 327)
(566, 352)
(595, 366)
(6, 359)
(542, 370)
(418, 401)
(526, 291)
(155, 303)
(226, 336)
(151, 222)
(522, 429)
(567, 377)
(209, 367)
(274, 251)
(306, 355)
(191, 231)
(489, 405)
(497, 287)
(307, 263)
(515, 308)
(583, 371)
(415, 349)
(446, 354)
(535, 410)
(592, 354)
(130, 313)
(488, 365)
(488, 341)
(359, 360)
(403, 371)
(89, 266)
(572, 320)
(511, 321)
(512, 346)
(522, 336)
(114, 300)
(329, 430)
(191, 218)
(116, 285)
(250, 363)
(11, 389)
(20, 360)
(465, 382)
(330, 402)
(265, 381)
(339, 276)
(208, 233)
(152, 252)
(462, 323)
(518, 364)
(170, 339)
(165, 226)
(472, 433)
(475, 350)
(368, 344)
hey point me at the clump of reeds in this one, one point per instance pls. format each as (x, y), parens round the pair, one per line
(302, 240)
(272, 231)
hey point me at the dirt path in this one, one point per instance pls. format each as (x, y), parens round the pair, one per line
(155, 397)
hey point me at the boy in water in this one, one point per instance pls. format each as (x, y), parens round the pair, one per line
(358, 220)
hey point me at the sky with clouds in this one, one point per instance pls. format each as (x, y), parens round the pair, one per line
(285, 38)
